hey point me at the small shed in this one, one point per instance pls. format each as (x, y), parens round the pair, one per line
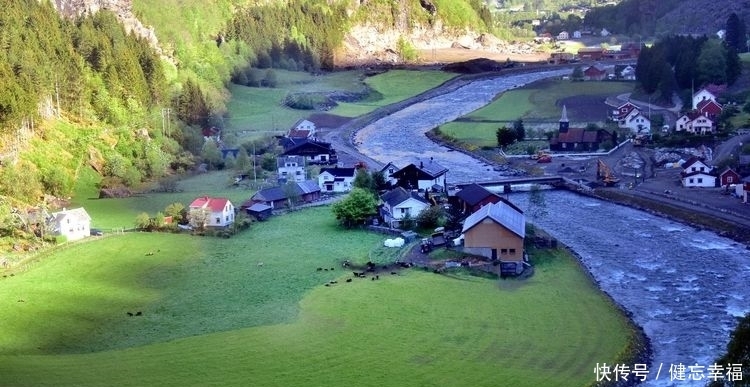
(259, 211)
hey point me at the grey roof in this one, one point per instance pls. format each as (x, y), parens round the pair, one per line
(431, 167)
(259, 207)
(307, 186)
(339, 172)
(77, 214)
(399, 195)
(501, 213)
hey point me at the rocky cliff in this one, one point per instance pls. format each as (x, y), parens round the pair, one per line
(122, 8)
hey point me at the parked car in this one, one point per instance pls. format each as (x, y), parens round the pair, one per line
(96, 232)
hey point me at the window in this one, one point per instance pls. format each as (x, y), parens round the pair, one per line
(730, 179)
(298, 173)
(218, 220)
(693, 170)
(691, 181)
(700, 180)
(702, 169)
(227, 218)
(503, 251)
(512, 251)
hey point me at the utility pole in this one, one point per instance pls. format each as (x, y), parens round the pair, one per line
(255, 177)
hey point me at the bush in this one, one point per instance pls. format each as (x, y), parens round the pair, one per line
(430, 217)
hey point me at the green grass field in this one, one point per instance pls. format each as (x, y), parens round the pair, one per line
(212, 316)
(260, 110)
(121, 213)
(535, 104)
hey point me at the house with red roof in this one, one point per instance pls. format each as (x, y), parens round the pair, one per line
(211, 212)
(702, 95)
(302, 129)
(694, 122)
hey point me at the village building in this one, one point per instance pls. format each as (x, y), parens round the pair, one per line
(595, 72)
(302, 130)
(422, 175)
(399, 204)
(259, 211)
(388, 170)
(694, 122)
(578, 139)
(336, 179)
(497, 231)
(215, 212)
(695, 173)
(702, 95)
(315, 152)
(73, 224)
(291, 168)
(563, 35)
(728, 177)
(590, 53)
(473, 197)
(280, 196)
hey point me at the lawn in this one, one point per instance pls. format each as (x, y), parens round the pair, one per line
(213, 316)
(538, 105)
(121, 213)
(260, 110)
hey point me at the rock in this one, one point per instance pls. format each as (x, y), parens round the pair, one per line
(117, 192)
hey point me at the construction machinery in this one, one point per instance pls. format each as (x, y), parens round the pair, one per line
(605, 174)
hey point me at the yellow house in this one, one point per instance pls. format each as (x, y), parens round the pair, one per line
(496, 231)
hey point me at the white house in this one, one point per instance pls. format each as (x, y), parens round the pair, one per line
(336, 179)
(694, 122)
(388, 170)
(637, 122)
(702, 95)
(302, 129)
(399, 203)
(563, 35)
(696, 173)
(576, 34)
(291, 168)
(73, 224)
(604, 32)
(218, 212)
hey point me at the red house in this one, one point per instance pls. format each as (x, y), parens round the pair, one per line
(594, 73)
(709, 108)
(729, 176)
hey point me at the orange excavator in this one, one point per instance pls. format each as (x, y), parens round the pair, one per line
(605, 174)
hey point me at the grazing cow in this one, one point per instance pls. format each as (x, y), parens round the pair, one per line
(328, 284)
(138, 313)
(130, 314)
(348, 280)
(393, 273)
(333, 268)
(377, 277)
(325, 269)
(372, 279)
(260, 263)
(319, 269)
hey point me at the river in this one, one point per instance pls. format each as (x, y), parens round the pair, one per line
(685, 287)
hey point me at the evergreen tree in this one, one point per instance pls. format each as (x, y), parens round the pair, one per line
(519, 129)
(505, 136)
(735, 33)
(712, 63)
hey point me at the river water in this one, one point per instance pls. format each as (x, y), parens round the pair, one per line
(399, 137)
(684, 286)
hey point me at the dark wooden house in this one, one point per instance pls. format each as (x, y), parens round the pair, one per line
(473, 197)
(422, 175)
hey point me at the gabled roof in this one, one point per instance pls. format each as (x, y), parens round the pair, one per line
(708, 104)
(693, 160)
(697, 173)
(339, 172)
(271, 194)
(299, 133)
(399, 195)
(309, 147)
(729, 171)
(390, 164)
(214, 204)
(77, 214)
(307, 186)
(473, 194)
(634, 116)
(502, 214)
(595, 69)
(431, 167)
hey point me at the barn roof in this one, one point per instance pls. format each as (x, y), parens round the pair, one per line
(399, 195)
(502, 214)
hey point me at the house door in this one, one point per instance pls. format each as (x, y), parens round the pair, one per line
(329, 187)
(494, 254)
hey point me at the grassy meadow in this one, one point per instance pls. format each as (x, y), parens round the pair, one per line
(213, 316)
(260, 110)
(121, 213)
(536, 104)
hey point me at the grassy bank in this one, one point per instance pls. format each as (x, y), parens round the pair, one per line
(212, 315)
(260, 110)
(538, 104)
